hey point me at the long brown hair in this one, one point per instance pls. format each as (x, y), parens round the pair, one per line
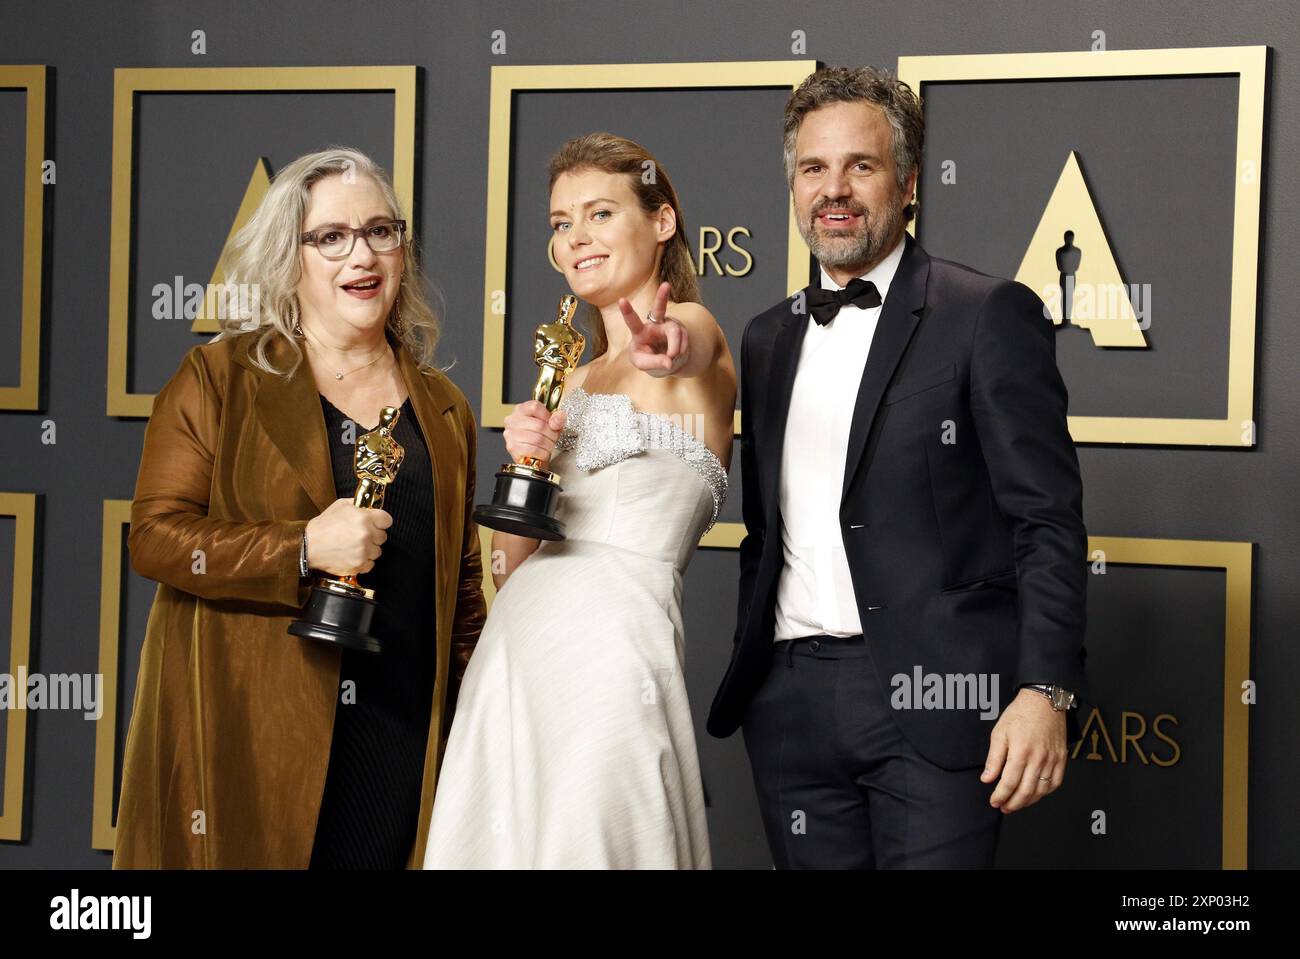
(649, 181)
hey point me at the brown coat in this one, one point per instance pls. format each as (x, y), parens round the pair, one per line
(233, 716)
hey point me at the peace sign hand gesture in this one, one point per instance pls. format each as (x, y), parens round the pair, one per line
(659, 345)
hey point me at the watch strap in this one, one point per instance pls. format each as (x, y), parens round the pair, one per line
(1060, 698)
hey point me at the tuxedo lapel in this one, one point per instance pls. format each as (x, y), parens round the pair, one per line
(894, 329)
(785, 360)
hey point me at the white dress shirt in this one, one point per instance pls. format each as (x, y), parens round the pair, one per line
(814, 593)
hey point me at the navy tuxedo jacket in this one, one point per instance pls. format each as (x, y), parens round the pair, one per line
(961, 507)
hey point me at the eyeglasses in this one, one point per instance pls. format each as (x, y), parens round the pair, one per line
(336, 242)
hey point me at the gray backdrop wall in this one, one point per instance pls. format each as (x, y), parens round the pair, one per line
(1156, 635)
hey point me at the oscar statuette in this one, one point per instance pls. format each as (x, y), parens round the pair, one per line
(341, 610)
(525, 497)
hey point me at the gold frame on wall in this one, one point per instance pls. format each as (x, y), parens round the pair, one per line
(1235, 559)
(117, 517)
(23, 508)
(508, 80)
(1250, 64)
(26, 395)
(128, 82)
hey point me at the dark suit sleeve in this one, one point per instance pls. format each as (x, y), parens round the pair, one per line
(751, 547)
(1018, 402)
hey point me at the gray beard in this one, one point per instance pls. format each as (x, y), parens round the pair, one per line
(876, 239)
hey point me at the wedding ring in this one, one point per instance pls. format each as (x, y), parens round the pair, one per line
(650, 318)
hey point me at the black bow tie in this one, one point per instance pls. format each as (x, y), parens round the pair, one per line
(825, 304)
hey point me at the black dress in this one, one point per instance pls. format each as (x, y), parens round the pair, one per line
(371, 805)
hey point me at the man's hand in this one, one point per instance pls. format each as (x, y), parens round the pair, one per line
(659, 348)
(1027, 748)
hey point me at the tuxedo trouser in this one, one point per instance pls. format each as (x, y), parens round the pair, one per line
(840, 787)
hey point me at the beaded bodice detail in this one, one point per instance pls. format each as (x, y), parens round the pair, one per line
(602, 429)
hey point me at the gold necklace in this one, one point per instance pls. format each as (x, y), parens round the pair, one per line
(339, 374)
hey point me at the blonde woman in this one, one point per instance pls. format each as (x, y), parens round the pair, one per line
(573, 744)
(248, 746)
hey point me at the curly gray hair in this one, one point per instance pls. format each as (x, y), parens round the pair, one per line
(266, 255)
(902, 108)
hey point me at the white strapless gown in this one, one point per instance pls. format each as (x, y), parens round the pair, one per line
(572, 745)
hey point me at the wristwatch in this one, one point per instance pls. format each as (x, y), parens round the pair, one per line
(303, 571)
(1061, 698)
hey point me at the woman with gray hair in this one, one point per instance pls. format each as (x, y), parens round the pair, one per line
(248, 746)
